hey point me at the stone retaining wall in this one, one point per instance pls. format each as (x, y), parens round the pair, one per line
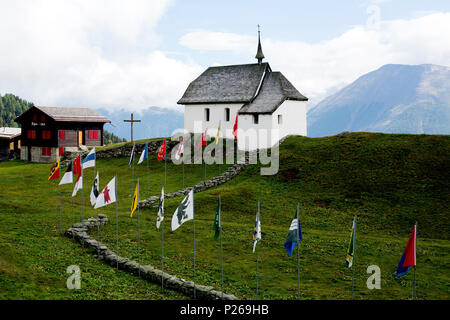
(79, 232)
(229, 174)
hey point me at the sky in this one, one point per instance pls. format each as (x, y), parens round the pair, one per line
(136, 54)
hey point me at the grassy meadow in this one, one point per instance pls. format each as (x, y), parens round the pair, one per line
(388, 181)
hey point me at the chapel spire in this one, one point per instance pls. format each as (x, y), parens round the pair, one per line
(259, 53)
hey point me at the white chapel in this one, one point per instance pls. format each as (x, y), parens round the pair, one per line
(267, 105)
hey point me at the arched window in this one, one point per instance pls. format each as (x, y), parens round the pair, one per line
(280, 119)
(255, 119)
(227, 114)
(206, 114)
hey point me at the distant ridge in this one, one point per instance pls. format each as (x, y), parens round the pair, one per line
(393, 99)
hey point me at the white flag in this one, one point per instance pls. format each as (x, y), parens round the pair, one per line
(94, 190)
(184, 212)
(180, 150)
(160, 217)
(78, 185)
(257, 230)
(108, 195)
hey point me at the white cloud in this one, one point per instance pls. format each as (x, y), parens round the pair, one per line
(88, 53)
(318, 68)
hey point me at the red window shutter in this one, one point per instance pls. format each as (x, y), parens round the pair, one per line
(61, 151)
(42, 118)
(90, 134)
(29, 134)
(62, 134)
(95, 134)
(46, 151)
(34, 117)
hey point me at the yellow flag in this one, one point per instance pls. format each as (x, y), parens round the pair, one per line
(218, 131)
(135, 202)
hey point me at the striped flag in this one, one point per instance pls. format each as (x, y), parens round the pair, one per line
(89, 161)
(68, 175)
(54, 171)
(135, 201)
(218, 133)
(408, 258)
(294, 235)
(351, 246)
(132, 156)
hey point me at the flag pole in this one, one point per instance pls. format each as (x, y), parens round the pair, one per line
(148, 176)
(82, 192)
(221, 255)
(298, 251)
(60, 209)
(353, 261)
(415, 262)
(183, 170)
(139, 232)
(193, 218)
(162, 253)
(257, 254)
(117, 227)
(73, 210)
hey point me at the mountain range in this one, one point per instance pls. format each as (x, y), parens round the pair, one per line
(155, 122)
(393, 99)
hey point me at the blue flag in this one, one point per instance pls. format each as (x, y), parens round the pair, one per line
(89, 161)
(294, 233)
(144, 154)
(132, 156)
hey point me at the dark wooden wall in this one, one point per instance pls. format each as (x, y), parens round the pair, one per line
(70, 128)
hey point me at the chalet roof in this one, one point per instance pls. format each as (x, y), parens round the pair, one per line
(70, 114)
(9, 133)
(274, 91)
(225, 84)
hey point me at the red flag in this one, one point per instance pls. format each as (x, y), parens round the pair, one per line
(235, 128)
(202, 141)
(162, 151)
(76, 169)
(410, 250)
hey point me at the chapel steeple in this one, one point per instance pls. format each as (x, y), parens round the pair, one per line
(259, 53)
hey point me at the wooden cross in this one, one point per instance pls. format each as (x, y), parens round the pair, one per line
(132, 121)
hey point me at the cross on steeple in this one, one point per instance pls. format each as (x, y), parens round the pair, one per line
(132, 121)
(259, 53)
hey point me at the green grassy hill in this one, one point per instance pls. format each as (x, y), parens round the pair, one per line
(389, 181)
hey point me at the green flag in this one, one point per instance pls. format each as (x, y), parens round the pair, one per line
(351, 246)
(217, 226)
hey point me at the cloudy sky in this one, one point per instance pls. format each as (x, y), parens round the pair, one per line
(139, 53)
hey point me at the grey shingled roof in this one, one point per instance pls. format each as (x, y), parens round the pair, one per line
(239, 84)
(274, 91)
(71, 114)
(225, 84)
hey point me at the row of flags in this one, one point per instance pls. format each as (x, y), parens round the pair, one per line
(185, 211)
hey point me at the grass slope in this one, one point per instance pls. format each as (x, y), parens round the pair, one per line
(389, 181)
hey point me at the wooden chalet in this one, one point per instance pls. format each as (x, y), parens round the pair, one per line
(9, 142)
(48, 131)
